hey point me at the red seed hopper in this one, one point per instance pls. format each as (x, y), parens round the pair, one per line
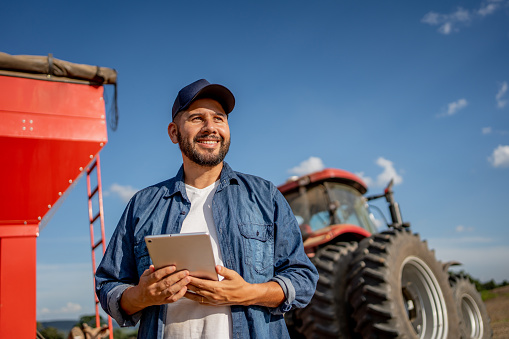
(52, 124)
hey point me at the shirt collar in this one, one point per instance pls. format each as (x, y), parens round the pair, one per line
(228, 176)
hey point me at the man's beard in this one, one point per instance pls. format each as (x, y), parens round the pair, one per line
(203, 159)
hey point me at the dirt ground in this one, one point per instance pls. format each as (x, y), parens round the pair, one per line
(498, 310)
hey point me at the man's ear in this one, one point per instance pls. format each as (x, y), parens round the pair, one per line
(172, 132)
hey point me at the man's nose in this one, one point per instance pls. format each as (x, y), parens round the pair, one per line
(209, 126)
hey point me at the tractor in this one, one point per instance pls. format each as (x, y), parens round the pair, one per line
(374, 284)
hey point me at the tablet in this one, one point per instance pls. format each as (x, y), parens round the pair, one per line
(187, 251)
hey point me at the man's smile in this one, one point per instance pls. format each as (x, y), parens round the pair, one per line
(208, 142)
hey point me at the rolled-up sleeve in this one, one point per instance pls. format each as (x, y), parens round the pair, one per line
(288, 290)
(114, 309)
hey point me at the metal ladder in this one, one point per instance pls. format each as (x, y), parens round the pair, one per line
(96, 165)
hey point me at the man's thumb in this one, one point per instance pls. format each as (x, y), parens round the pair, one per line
(226, 273)
(149, 270)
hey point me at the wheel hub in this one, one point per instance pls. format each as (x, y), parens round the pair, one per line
(423, 299)
(472, 317)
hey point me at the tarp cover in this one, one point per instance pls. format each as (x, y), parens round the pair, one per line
(60, 68)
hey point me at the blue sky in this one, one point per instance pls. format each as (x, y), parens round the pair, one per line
(415, 90)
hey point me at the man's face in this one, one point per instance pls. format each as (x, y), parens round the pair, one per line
(202, 132)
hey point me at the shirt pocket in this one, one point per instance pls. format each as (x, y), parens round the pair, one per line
(258, 241)
(143, 260)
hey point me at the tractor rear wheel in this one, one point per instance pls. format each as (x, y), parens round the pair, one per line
(398, 289)
(474, 319)
(328, 315)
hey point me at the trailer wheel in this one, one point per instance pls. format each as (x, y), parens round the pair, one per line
(328, 315)
(398, 289)
(474, 319)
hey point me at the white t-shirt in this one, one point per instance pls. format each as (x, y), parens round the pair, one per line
(186, 318)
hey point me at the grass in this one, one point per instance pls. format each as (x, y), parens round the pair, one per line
(487, 295)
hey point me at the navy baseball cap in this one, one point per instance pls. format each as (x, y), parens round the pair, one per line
(203, 89)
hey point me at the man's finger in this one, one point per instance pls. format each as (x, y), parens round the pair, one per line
(174, 283)
(177, 296)
(191, 288)
(171, 279)
(195, 297)
(182, 279)
(147, 272)
(163, 272)
(202, 284)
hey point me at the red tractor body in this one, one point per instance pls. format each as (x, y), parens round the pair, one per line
(329, 205)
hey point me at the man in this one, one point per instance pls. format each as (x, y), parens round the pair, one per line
(256, 240)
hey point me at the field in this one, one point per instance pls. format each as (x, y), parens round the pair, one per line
(498, 310)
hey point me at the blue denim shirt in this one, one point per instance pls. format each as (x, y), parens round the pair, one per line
(258, 236)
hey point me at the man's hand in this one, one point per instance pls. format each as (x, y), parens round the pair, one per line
(234, 290)
(156, 287)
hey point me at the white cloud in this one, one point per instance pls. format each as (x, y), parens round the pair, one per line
(432, 18)
(446, 28)
(454, 107)
(489, 7)
(64, 291)
(461, 229)
(489, 130)
(449, 23)
(388, 173)
(500, 156)
(461, 15)
(313, 164)
(68, 308)
(501, 101)
(123, 192)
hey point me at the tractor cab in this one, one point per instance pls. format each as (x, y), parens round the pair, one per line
(328, 204)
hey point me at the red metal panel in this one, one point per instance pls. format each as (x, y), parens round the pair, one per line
(7, 231)
(328, 173)
(326, 234)
(51, 97)
(49, 133)
(36, 173)
(45, 126)
(17, 287)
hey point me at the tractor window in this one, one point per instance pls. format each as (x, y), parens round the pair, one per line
(319, 220)
(351, 207)
(328, 204)
(310, 207)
